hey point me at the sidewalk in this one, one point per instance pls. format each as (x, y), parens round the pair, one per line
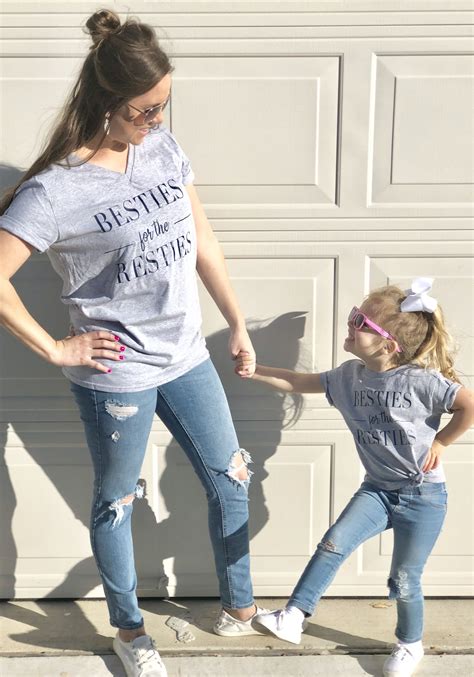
(217, 666)
(345, 637)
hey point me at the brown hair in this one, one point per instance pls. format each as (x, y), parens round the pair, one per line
(124, 61)
(423, 336)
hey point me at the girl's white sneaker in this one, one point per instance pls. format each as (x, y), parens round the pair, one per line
(140, 657)
(287, 623)
(403, 661)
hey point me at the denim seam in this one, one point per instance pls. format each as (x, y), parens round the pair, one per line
(199, 452)
(99, 474)
(97, 497)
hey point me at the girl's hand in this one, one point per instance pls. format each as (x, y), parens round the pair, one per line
(434, 456)
(84, 349)
(240, 345)
(245, 365)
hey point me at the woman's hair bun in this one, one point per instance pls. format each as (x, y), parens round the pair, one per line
(101, 25)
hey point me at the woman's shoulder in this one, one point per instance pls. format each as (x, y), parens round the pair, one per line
(45, 181)
(32, 188)
(163, 147)
(160, 139)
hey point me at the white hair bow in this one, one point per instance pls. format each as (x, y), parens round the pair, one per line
(418, 298)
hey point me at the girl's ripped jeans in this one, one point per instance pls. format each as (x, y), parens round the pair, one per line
(416, 515)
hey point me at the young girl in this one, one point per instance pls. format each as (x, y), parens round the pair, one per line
(392, 398)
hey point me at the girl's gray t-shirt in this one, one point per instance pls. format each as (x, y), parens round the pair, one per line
(394, 416)
(125, 248)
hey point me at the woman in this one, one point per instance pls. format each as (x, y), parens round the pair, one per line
(111, 200)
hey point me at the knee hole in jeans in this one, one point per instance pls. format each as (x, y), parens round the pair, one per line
(327, 545)
(238, 470)
(399, 586)
(119, 504)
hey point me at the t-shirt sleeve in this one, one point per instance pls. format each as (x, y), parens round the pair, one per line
(30, 216)
(337, 381)
(179, 159)
(186, 169)
(443, 394)
(187, 174)
(330, 380)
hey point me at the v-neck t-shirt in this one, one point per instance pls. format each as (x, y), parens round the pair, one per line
(125, 248)
(394, 416)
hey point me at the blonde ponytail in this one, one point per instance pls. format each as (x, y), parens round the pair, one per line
(436, 351)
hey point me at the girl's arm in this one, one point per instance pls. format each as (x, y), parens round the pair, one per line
(284, 379)
(461, 420)
(213, 272)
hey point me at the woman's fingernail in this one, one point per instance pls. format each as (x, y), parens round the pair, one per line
(121, 357)
(109, 371)
(122, 348)
(116, 338)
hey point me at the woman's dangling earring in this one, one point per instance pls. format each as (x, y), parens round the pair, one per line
(107, 123)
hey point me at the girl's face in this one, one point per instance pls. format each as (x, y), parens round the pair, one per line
(364, 343)
(128, 125)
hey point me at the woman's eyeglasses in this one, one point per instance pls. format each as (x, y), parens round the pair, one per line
(150, 113)
(359, 320)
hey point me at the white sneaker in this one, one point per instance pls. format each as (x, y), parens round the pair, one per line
(228, 626)
(140, 657)
(287, 624)
(402, 662)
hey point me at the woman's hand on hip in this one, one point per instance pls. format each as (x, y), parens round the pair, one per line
(83, 350)
(241, 349)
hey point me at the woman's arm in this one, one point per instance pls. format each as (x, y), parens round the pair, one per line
(461, 420)
(284, 379)
(71, 351)
(14, 252)
(213, 272)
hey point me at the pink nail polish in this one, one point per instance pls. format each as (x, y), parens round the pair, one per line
(117, 338)
(109, 371)
(121, 357)
(122, 348)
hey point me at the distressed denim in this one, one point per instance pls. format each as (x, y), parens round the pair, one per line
(194, 408)
(416, 515)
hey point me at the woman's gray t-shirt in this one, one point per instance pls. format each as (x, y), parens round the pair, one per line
(125, 248)
(394, 416)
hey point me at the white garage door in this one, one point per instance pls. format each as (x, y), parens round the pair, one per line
(334, 152)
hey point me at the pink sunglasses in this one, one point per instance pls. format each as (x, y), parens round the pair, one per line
(358, 320)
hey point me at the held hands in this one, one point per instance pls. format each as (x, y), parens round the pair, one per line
(84, 349)
(242, 352)
(244, 365)
(434, 456)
